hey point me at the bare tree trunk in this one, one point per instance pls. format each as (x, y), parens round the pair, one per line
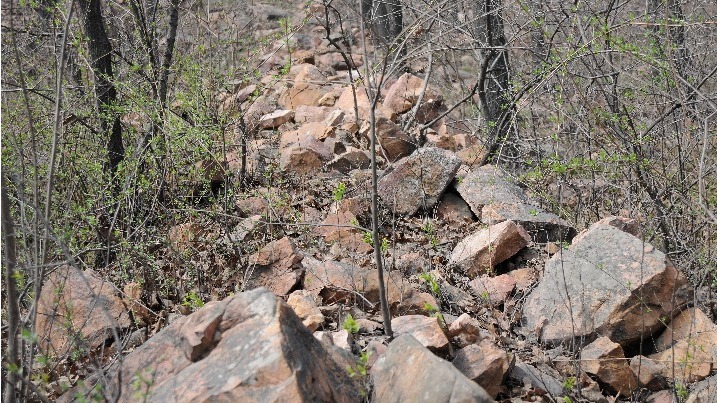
(494, 90)
(100, 50)
(12, 302)
(385, 17)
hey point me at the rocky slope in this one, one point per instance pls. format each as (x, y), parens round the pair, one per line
(492, 297)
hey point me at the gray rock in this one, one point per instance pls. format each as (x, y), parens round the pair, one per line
(408, 372)
(494, 198)
(537, 378)
(419, 180)
(615, 284)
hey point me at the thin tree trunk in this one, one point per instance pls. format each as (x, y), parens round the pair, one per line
(12, 303)
(100, 50)
(494, 91)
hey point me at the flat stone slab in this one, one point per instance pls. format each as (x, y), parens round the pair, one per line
(418, 181)
(494, 197)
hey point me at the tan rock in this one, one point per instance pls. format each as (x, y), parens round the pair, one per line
(337, 226)
(77, 313)
(404, 94)
(259, 351)
(408, 372)
(495, 290)
(606, 360)
(352, 158)
(301, 94)
(425, 329)
(305, 113)
(691, 341)
(633, 275)
(303, 303)
(485, 364)
(276, 119)
(479, 252)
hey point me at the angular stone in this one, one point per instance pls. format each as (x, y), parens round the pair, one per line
(704, 391)
(276, 119)
(494, 198)
(408, 372)
(485, 364)
(417, 303)
(337, 227)
(648, 373)
(277, 266)
(419, 180)
(536, 377)
(351, 159)
(425, 329)
(618, 286)
(479, 252)
(301, 93)
(404, 94)
(497, 289)
(305, 113)
(343, 282)
(302, 159)
(303, 304)
(77, 313)
(260, 351)
(394, 142)
(606, 361)
(691, 341)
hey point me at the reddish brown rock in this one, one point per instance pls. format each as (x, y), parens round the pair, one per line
(417, 303)
(276, 119)
(277, 266)
(648, 373)
(495, 290)
(301, 93)
(606, 360)
(254, 349)
(334, 60)
(337, 227)
(418, 182)
(691, 341)
(404, 94)
(619, 286)
(394, 142)
(479, 252)
(485, 364)
(304, 305)
(408, 372)
(425, 329)
(77, 312)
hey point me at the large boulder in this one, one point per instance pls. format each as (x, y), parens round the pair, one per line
(419, 180)
(77, 312)
(609, 283)
(409, 372)
(494, 198)
(248, 347)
